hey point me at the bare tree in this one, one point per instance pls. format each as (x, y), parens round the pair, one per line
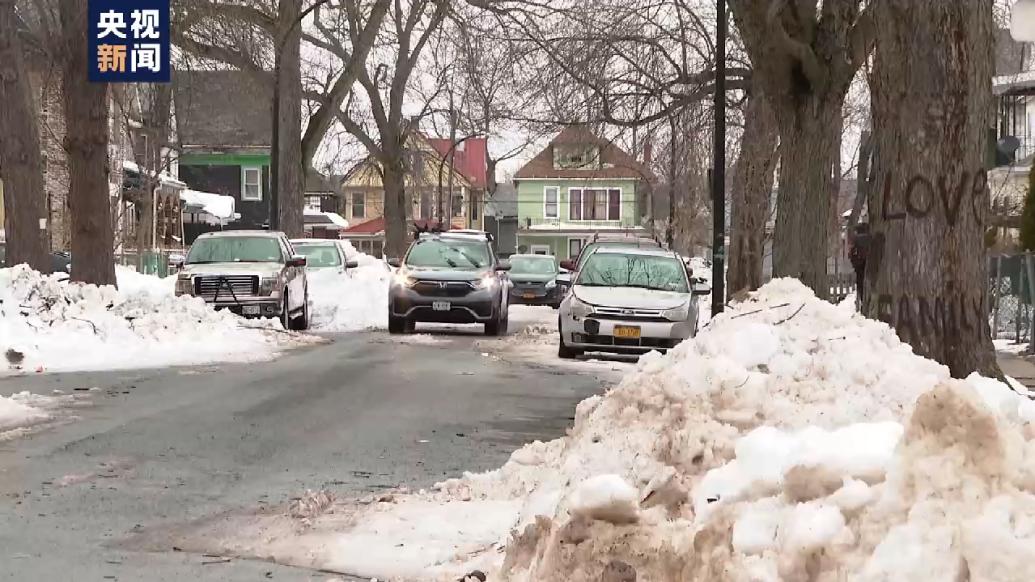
(752, 189)
(932, 100)
(20, 163)
(804, 55)
(255, 36)
(385, 83)
(86, 144)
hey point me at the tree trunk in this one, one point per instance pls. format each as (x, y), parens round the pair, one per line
(752, 190)
(926, 272)
(807, 134)
(395, 207)
(21, 166)
(291, 173)
(86, 144)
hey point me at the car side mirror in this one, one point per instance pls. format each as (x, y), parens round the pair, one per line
(568, 264)
(297, 261)
(351, 264)
(394, 263)
(503, 265)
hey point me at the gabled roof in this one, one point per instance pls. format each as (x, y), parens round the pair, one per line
(617, 163)
(470, 158)
(222, 109)
(367, 173)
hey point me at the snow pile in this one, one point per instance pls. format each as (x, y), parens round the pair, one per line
(15, 412)
(351, 301)
(792, 440)
(132, 283)
(50, 325)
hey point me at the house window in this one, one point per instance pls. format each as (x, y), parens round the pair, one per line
(540, 249)
(595, 204)
(576, 157)
(550, 203)
(458, 205)
(313, 203)
(358, 203)
(475, 210)
(574, 247)
(251, 183)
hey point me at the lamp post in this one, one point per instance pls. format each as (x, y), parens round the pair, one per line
(719, 165)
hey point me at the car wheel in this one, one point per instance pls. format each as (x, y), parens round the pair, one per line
(285, 315)
(301, 323)
(563, 351)
(398, 325)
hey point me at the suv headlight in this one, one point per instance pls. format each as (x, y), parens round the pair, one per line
(487, 282)
(681, 313)
(266, 285)
(551, 283)
(404, 279)
(580, 309)
(184, 285)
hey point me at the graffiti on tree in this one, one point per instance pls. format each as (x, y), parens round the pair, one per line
(925, 321)
(942, 197)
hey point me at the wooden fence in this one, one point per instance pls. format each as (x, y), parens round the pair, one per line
(841, 285)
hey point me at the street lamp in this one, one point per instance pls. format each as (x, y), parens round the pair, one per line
(719, 165)
(1022, 22)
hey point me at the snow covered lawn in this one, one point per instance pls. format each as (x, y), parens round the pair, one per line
(47, 325)
(792, 440)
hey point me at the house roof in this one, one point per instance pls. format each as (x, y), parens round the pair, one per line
(617, 163)
(222, 109)
(470, 158)
(372, 226)
(367, 173)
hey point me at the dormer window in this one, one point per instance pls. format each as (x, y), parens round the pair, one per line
(576, 157)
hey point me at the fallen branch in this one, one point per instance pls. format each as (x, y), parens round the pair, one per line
(92, 324)
(791, 316)
(747, 313)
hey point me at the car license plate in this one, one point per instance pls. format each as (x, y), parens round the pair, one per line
(441, 306)
(250, 310)
(627, 331)
(529, 295)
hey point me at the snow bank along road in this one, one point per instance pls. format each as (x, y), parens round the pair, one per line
(157, 449)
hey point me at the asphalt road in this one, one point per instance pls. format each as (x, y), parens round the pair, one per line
(159, 448)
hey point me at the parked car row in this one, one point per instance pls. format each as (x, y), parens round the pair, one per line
(624, 295)
(257, 273)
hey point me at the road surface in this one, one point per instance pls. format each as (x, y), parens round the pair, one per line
(158, 448)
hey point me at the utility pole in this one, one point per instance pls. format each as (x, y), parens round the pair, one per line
(719, 165)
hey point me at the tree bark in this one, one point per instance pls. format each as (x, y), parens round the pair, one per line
(291, 173)
(21, 166)
(926, 271)
(800, 240)
(752, 190)
(86, 144)
(394, 181)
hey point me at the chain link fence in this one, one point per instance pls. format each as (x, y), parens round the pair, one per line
(1011, 295)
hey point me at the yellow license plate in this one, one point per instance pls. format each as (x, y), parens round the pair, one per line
(627, 331)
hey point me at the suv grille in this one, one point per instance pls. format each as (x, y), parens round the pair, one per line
(443, 288)
(242, 285)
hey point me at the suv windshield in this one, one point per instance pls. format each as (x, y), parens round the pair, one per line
(533, 265)
(633, 270)
(235, 249)
(319, 255)
(453, 254)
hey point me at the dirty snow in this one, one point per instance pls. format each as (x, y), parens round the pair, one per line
(48, 325)
(819, 448)
(25, 411)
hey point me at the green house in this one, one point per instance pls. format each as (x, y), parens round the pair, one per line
(579, 185)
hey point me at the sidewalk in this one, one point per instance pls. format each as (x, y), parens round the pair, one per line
(1020, 368)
